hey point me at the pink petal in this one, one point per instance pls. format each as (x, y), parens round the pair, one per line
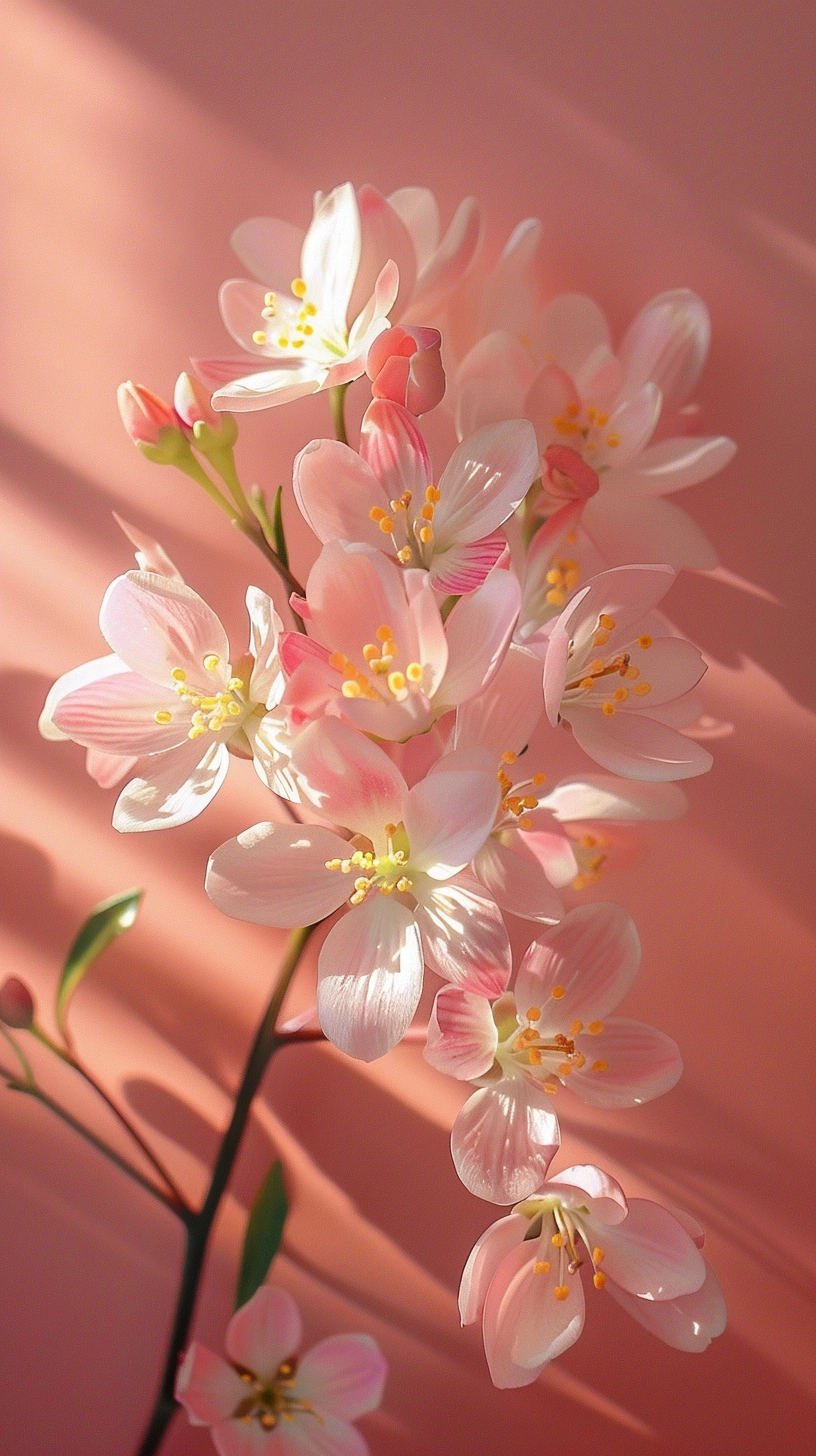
(509, 296)
(463, 935)
(672, 465)
(237, 1438)
(269, 249)
(276, 874)
(108, 769)
(241, 302)
(463, 568)
(384, 236)
(155, 625)
(570, 328)
(626, 593)
(343, 1376)
(280, 384)
(335, 491)
(87, 672)
(689, 1322)
(370, 977)
(667, 343)
(638, 747)
(487, 476)
(549, 396)
(117, 714)
(483, 1261)
(462, 1035)
(641, 1063)
(207, 1387)
(650, 1254)
(149, 554)
(172, 788)
(504, 717)
(515, 877)
(492, 382)
(524, 1325)
(504, 1140)
(418, 209)
(265, 1331)
(349, 779)
(478, 631)
(305, 1436)
(584, 1185)
(633, 422)
(592, 955)
(649, 530)
(449, 263)
(217, 372)
(448, 816)
(601, 796)
(672, 667)
(393, 448)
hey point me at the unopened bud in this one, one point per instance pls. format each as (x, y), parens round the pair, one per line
(405, 366)
(16, 1004)
(144, 415)
(210, 430)
(567, 477)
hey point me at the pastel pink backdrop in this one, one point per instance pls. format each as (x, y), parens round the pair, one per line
(662, 145)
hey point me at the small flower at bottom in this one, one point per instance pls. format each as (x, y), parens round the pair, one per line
(263, 1398)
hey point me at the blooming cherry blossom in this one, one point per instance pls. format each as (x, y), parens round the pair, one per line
(263, 1399)
(522, 1278)
(169, 699)
(402, 876)
(554, 1029)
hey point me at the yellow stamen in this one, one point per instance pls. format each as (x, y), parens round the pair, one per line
(509, 756)
(211, 661)
(621, 694)
(551, 1088)
(561, 1291)
(642, 689)
(298, 287)
(432, 494)
(386, 525)
(351, 690)
(598, 1255)
(178, 675)
(613, 440)
(414, 672)
(259, 337)
(384, 634)
(595, 1027)
(541, 1266)
(425, 535)
(600, 1066)
(163, 716)
(557, 1241)
(607, 622)
(404, 555)
(645, 641)
(608, 709)
(557, 992)
(599, 1279)
(533, 1013)
(576, 1027)
(396, 683)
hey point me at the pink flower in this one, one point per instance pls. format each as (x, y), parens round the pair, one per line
(151, 423)
(578, 393)
(386, 497)
(614, 683)
(402, 875)
(266, 1400)
(169, 699)
(379, 654)
(522, 1277)
(324, 297)
(405, 366)
(553, 1030)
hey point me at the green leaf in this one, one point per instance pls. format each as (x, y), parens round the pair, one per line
(263, 1235)
(277, 527)
(107, 921)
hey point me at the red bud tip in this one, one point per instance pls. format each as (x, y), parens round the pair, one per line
(16, 1004)
(144, 415)
(191, 399)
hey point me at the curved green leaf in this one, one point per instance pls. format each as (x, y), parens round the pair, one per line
(107, 921)
(263, 1234)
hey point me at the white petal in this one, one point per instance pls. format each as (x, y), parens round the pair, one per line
(478, 631)
(504, 1140)
(672, 465)
(269, 249)
(156, 624)
(173, 788)
(331, 255)
(370, 977)
(448, 816)
(487, 476)
(590, 960)
(667, 343)
(638, 747)
(463, 935)
(601, 796)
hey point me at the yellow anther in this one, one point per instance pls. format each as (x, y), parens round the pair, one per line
(557, 1241)
(384, 634)
(234, 709)
(307, 329)
(533, 1013)
(283, 342)
(432, 494)
(571, 538)
(509, 756)
(414, 672)
(377, 514)
(396, 683)
(525, 823)
(561, 1291)
(345, 866)
(576, 1027)
(370, 651)
(362, 883)
(333, 864)
(310, 309)
(539, 779)
(235, 684)
(595, 1028)
(565, 1069)
(600, 1066)
(613, 440)
(380, 665)
(642, 689)
(578, 1060)
(404, 555)
(534, 1057)
(530, 802)
(551, 1088)
(557, 992)
(573, 409)
(600, 639)
(598, 1255)
(621, 694)
(555, 596)
(196, 731)
(608, 708)
(386, 525)
(338, 661)
(425, 535)
(645, 641)
(270, 299)
(541, 1266)
(268, 313)
(358, 858)
(599, 1279)
(351, 690)
(601, 419)
(632, 673)
(211, 661)
(404, 884)
(586, 683)
(357, 898)
(298, 287)
(554, 577)
(427, 512)
(607, 622)
(259, 337)
(178, 675)
(163, 716)
(389, 829)
(591, 414)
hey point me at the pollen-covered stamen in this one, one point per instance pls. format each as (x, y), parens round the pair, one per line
(562, 578)
(211, 712)
(383, 872)
(271, 1401)
(513, 811)
(584, 428)
(590, 852)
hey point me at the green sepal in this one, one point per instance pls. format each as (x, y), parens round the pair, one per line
(277, 527)
(107, 921)
(264, 1232)
(171, 447)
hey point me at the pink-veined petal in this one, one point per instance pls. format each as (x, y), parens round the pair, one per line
(689, 1322)
(269, 249)
(217, 372)
(349, 778)
(464, 938)
(343, 1376)
(276, 874)
(156, 624)
(672, 465)
(448, 816)
(172, 788)
(419, 211)
(487, 1254)
(626, 593)
(522, 1318)
(515, 877)
(448, 264)
(478, 631)
(393, 448)
(87, 672)
(352, 590)
(650, 1254)
(590, 959)
(503, 718)
(638, 747)
(462, 1035)
(586, 1186)
(487, 476)
(108, 769)
(465, 567)
(117, 715)
(667, 343)
(503, 1141)
(265, 1331)
(569, 329)
(651, 530)
(207, 1387)
(602, 796)
(637, 1063)
(492, 382)
(331, 254)
(370, 977)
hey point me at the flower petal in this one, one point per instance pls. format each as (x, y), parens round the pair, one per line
(448, 264)
(515, 877)
(207, 1387)
(570, 329)
(269, 249)
(484, 1259)
(384, 237)
(241, 302)
(172, 788)
(639, 747)
(419, 211)
(478, 631)
(504, 1140)
(672, 465)
(487, 476)
(667, 344)
(265, 1331)
(331, 254)
(650, 1254)
(349, 779)
(463, 568)
(523, 1319)
(602, 796)
(648, 530)
(279, 385)
(304, 1436)
(108, 769)
(462, 1035)
(689, 1322)
(492, 382)
(343, 1376)
(87, 672)
(370, 977)
(276, 874)
(156, 624)
(584, 1185)
(266, 683)
(590, 958)
(464, 938)
(448, 816)
(504, 717)
(633, 424)
(549, 397)
(116, 713)
(639, 1063)
(392, 446)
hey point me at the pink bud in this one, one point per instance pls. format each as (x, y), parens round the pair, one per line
(16, 1004)
(144, 415)
(192, 403)
(567, 476)
(405, 366)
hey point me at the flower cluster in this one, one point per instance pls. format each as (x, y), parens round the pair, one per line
(462, 621)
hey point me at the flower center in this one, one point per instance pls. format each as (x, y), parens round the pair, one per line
(294, 323)
(383, 872)
(411, 530)
(210, 713)
(590, 673)
(271, 1402)
(513, 811)
(546, 1058)
(382, 671)
(559, 1230)
(584, 428)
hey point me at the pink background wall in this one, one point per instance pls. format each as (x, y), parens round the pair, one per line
(663, 144)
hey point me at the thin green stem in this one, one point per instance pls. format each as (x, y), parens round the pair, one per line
(224, 462)
(191, 467)
(337, 401)
(28, 1071)
(267, 1040)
